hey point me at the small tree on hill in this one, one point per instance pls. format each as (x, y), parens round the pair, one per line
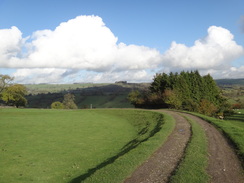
(68, 101)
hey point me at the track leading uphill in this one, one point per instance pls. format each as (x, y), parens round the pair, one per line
(223, 164)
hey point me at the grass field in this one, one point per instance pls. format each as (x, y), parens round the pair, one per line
(52, 88)
(77, 145)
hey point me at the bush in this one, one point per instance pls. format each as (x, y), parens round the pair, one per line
(207, 108)
(57, 105)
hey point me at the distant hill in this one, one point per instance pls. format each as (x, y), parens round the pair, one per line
(106, 95)
(86, 95)
(230, 81)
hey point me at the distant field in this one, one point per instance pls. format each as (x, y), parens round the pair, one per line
(52, 88)
(73, 145)
(97, 95)
(55, 88)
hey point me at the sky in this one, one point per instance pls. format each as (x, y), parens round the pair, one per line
(79, 41)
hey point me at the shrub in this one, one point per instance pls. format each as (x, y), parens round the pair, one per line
(207, 108)
(57, 105)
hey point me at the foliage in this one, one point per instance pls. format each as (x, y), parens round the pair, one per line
(15, 95)
(5, 81)
(207, 108)
(171, 98)
(187, 90)
(57, 105)
(135, 98)
(68, 101)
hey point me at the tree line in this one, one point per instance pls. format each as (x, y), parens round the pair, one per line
(184, 91)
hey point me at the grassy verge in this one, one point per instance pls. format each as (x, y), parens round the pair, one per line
(137, 150)
(233, 128)
(77, 145)
(193, 167)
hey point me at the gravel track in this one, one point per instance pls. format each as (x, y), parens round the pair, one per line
(162, 163)
(223, 165)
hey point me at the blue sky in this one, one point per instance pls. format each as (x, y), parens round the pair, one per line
(159, 30)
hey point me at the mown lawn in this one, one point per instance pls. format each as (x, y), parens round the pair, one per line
(77, 145)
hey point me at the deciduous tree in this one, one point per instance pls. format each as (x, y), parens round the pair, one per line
(69, 101)
(15, 95)
(5, 81)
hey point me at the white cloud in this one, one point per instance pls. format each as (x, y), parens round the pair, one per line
(84, 49)
(217, 50)
(37, 75)
(83, 43)
(10, 44)
(132, 76)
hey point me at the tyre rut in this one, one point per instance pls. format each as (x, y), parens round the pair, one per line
(162, 163)
(224, 165)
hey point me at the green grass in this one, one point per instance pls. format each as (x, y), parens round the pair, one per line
(77, 145)
(141, 147)
(52, 88)
(192, 168)
(233, 128)
(104, 101)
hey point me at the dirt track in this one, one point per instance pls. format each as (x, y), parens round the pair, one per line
(223, 167)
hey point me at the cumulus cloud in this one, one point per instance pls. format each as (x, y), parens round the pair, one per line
(82, 43)
(217, 50)
(37, 75)
(84, 49)
(11, 42)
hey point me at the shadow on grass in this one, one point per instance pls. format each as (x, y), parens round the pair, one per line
(127, 148)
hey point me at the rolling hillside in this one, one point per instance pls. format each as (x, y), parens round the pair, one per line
(86, 95)
(109, 95)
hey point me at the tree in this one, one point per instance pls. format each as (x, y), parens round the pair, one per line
(187, 91)
(15, 95)
(211, 90)
(160, 83)
(68, 101)
(172, 99)
(57, 105)
(5, 81)
(207, 108)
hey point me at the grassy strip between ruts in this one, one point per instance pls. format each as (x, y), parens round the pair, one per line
(193, 166)
(232, 129)
(123, 166)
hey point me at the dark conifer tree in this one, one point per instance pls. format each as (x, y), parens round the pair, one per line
(187, 90)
